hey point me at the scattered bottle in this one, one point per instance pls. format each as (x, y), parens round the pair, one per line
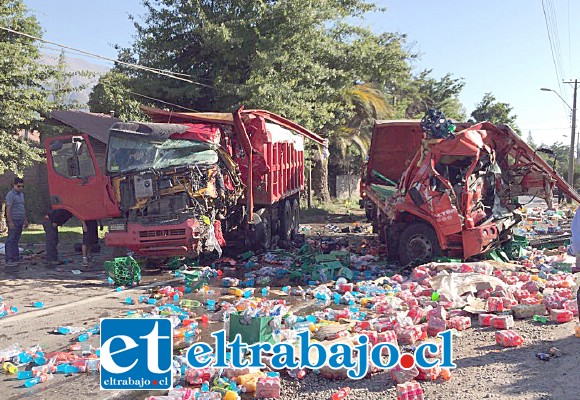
(21, 375)
(341, 394)
(38, 304)
(35, 381)
(66, 330)
(10, 368)
(540, 319)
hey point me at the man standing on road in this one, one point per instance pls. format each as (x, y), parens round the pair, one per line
(90, 237)
(52, 220)
(16, 219)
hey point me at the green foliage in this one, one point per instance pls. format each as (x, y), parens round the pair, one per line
(16, 153)
(424, 92)
(23, 97)
(113, 93)
(489, 109)
(61, 86)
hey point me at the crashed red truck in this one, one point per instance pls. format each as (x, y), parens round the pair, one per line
(183, 188)
(454, 197)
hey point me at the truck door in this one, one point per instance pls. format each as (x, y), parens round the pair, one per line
(75, 181)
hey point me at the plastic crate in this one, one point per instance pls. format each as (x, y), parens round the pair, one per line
(258, 330)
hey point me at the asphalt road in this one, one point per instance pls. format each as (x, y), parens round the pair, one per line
(69, 299)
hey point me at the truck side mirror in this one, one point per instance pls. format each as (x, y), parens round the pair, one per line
(77, 147)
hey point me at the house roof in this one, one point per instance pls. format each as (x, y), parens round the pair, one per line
(93, 124)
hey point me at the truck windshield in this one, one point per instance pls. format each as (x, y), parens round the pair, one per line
(131, 154)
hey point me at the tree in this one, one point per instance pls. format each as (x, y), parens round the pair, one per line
(295, 57)
(424, 92)
(23, 96)
(62, 86)
(489, 109)
(113, 93)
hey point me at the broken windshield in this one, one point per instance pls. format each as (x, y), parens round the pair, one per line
(131, 154)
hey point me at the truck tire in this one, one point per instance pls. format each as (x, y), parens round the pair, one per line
(369, 210)
(418, 244)
(295, 217)
(286, 221)
(265, 229)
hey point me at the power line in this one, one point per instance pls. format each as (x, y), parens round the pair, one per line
(161, 101)
(136, 66)
(551, 28)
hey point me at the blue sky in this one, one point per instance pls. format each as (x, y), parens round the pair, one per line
(497, 46)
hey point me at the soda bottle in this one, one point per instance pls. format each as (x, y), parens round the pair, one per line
(38, 304)
(341, 394)
(10, 368)
(84, 336)
(35, 381)
(540, 319)
(24, 357)
(21, 375)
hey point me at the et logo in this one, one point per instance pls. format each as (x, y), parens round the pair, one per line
(136, 354)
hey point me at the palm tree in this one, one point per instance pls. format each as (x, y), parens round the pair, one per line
(368, 103)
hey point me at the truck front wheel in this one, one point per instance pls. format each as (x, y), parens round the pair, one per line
(418, 244)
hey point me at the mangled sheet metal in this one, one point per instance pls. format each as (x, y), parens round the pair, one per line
(467, 185)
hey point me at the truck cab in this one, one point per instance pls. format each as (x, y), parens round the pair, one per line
(181, 188)
(456, 196)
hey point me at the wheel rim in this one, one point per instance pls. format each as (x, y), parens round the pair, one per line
(419, 248)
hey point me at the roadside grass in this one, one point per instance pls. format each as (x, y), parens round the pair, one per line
(333, 207)
(66, 234)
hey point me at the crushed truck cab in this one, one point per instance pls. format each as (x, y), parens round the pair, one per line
(455, 197)
(183, 187)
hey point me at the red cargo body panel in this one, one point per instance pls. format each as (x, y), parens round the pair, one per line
(393, 145)
(286, 175)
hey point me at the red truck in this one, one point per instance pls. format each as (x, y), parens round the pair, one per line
(452, 197)
(186, 182)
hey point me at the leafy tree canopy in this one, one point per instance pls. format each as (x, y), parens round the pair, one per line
(496, 112)
(23, 97)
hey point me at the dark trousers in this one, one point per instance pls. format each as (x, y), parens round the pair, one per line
(12, 253)
(51, 240)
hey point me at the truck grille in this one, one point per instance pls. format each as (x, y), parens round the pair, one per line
(161, 233)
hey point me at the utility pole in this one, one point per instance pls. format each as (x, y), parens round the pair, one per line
(572, 137)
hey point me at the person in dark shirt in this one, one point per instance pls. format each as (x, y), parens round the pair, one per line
(52, 220)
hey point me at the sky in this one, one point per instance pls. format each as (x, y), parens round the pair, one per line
(496, 46)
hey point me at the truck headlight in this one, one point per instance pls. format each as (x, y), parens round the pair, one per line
(117, 227)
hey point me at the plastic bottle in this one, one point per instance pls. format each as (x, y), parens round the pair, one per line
(38, 304)
(341, 394)
(540, 319)
(24, 357)
(35, 381)
(66, 368)
(129, 300)
(84, 336)
(9, 352)
(10, 368)
(21, 375)
(65, 330)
